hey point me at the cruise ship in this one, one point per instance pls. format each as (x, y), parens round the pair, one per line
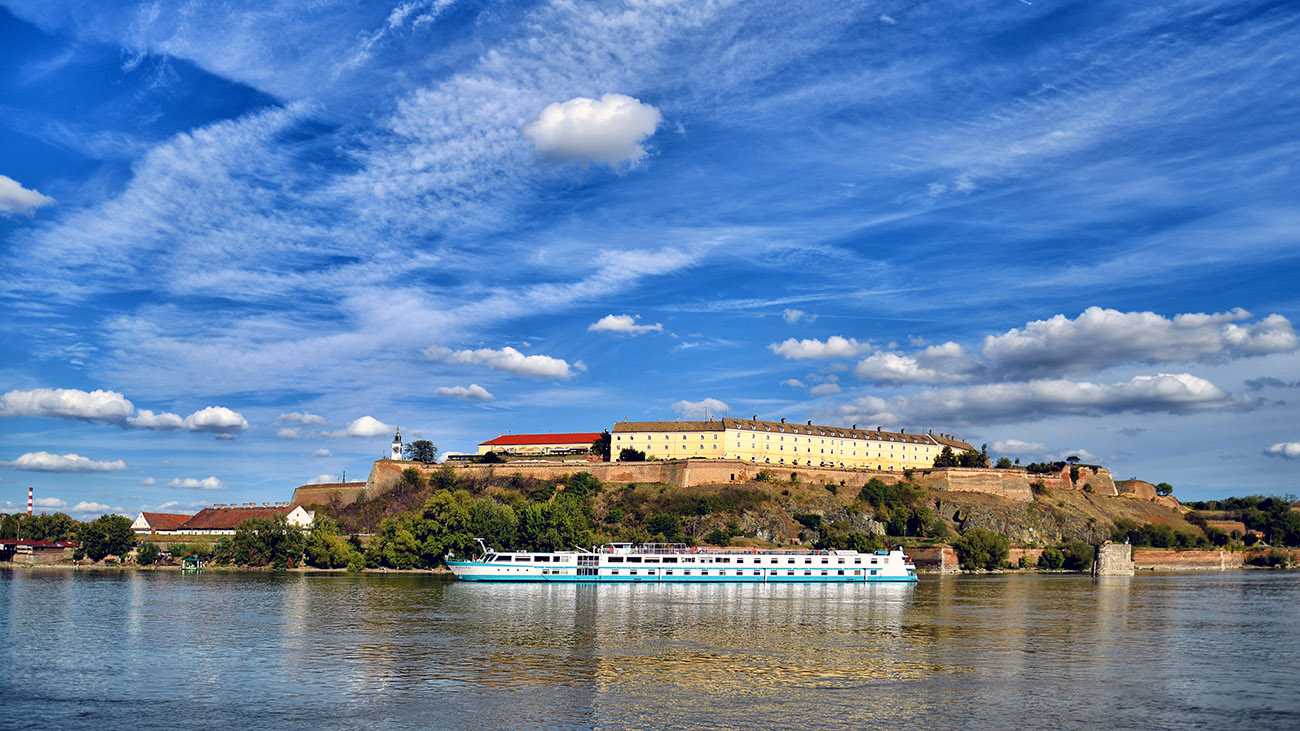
(677, 563)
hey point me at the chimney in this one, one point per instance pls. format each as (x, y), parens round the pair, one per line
(810, 422)
(855, 426)
(755, 417)
(902, 431)
(782, 419)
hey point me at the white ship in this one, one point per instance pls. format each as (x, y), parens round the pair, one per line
(668, 562)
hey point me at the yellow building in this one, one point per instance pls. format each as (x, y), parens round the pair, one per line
(779, 443)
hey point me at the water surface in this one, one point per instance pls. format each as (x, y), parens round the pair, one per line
(146, 650)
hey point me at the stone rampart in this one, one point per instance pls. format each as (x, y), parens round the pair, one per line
(1139, 489)
(1007, 483)
(345, 493)
(1031, 556)
(1165, 559)
(936, 559)
(1113, 559)
(1098, 478)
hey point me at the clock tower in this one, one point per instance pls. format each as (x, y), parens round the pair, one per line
(397, 444)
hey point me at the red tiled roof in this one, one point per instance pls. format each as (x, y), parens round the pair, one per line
(229, 518)
(515, 439)
(36, 544)
(166, 521)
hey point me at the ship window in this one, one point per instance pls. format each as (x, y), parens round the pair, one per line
(491, 557)
(823, 573)
(704, 572)
(503, 558)
(668, 572)
(840, 561)
(615, 571)
(633, 571)
(857, 560)
(687, 572)
(841, 572)
(789, 560)
(723, 560)
(807, 573)
(807, 560)
(616, 559)
(634, 559)
(789, 573)
(652, 560)
(670, 560)
(826, 560)
(758, 573)
(857, 572)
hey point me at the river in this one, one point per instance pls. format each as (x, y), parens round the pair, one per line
(157, 649)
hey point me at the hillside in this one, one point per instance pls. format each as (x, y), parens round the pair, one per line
(771, 512)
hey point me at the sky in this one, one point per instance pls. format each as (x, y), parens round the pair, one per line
(244, 241)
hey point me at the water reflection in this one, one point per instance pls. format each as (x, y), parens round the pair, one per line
(158, 649)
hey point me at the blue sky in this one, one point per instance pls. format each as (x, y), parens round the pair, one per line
(244, 240)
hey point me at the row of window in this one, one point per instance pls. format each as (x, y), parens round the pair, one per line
(739, 560)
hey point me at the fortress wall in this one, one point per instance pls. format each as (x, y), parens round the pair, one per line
(1031, 556)
(1007, 483)
(1113, 559)
(347, 493)
(938, 559)
(1100, 478)
(1165, 559)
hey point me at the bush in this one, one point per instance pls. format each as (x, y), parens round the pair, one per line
(1051, 559)
(148, 554)
(628, 454)
(1078, 556)
(1272, 559)
(808, 520)
(980, 548)
(718, 538)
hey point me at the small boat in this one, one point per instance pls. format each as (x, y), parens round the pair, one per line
(678, 563)
(191, 564)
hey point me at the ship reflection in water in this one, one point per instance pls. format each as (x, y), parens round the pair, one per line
(413, 651)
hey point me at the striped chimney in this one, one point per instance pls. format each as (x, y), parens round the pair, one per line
(29, 501)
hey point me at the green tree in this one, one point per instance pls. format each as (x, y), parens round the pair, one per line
(946, 458)
(107, 535)
(718, 538)
(1004, 463)
(324, 548)
(1164, 488)
(1051, 558)
(492, 458)
(628, 454)
(421, 450)
(668, 526)
(264, 542)
(148, 554)
(980, 548)
(48, 527)
(582, 485)
(971, 458)
(601, 446)
(1078, 556)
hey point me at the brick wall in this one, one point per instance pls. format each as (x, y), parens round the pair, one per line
(1031, 556)
(1165, 559)
(1007, 483)
(938, 559)
(323, 494)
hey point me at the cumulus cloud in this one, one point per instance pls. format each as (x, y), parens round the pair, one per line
(792, 316)
(506, 359)
(1018, 447)
(472, 392)
(68, 403)
(793, 383)
(834, 347)
(1095, 340)
(300, 418)
(14, 198)
(824, 389)
(88, 507)
(365, 427)
(608, 131)
(49, 502)
(1099, 338)
(324, 479)
(149, 481)
(293, 432)
(321, 453)
(947, 363)
(623, 324)
(146, 419)
(190, 483)
(217, 420)
(1285, 450)
(47, 462)
(699, 409)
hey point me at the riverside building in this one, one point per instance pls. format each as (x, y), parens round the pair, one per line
(779, 443)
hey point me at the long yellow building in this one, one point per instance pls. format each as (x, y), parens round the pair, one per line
(779, 443)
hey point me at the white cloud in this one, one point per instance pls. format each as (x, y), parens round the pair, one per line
(1018, 448)
(149, 481)
(623, 324)
(293, 432)
(49, 502)
(300, 418)
(1097, 339)
(1100, 338)
(1285, 450)
(217, 420)
(366, 426)
(190, 483)
(68, 403)
(14, 198)
(793, 383)
(146, 419)
(322, 479)
(793, 316)
(321, 453)
(87, 507)
(834, 347)
(699, 409)
(506, 359)
(1084, 456)
(824, 389)
(47, 462)
(472, 392)
(609, 130)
